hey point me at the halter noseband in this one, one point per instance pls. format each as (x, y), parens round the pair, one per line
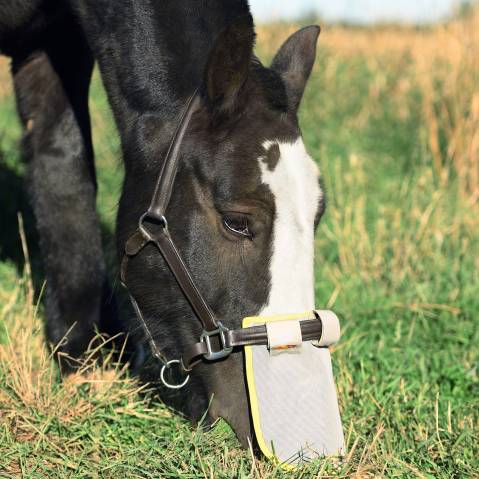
(311, 329)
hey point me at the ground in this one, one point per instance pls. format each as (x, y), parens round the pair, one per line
(392, 117)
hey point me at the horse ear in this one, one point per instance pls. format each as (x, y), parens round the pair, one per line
(294, 62)
(228, 65)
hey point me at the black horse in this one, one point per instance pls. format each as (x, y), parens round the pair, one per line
(246, 199)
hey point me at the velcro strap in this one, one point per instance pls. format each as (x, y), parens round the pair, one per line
(331, 330)
(311, 329)
(284, 334)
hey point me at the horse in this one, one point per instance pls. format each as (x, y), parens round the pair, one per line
(245, 200)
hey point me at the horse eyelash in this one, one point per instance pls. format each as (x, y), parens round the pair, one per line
(235, 231)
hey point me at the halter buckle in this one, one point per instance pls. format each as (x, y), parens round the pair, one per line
(206, 338)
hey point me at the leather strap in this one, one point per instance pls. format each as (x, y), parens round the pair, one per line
(166, 178)
(311, 329)
(154, 347)
(163, 241)
(171, 255)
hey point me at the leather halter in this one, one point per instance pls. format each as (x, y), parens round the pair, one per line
(213, 329)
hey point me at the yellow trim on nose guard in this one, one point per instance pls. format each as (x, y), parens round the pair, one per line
(258, 320)
(267, 450)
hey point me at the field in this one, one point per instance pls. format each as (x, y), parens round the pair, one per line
(392, 116)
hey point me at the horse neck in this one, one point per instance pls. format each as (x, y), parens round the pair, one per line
(152, 54)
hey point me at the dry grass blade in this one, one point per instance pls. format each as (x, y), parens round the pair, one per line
(31, 390)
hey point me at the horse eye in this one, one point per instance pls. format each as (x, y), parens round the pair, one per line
(237, 224)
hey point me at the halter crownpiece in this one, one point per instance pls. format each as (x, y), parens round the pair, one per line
(278, 334)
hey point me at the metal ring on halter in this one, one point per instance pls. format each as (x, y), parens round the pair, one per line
(146, 234)
(167, 384)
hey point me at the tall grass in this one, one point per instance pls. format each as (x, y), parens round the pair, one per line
(440, 64)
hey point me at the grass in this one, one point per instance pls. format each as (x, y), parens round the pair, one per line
(392, 116)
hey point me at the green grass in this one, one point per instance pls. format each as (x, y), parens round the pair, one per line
(397, 258)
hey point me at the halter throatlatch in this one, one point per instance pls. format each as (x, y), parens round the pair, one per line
(298, 386)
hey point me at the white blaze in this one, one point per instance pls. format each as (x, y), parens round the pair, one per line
(295, 187)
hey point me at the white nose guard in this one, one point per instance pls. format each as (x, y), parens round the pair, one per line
(291, 388)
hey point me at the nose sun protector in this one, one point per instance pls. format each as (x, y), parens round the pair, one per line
(291, 390)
